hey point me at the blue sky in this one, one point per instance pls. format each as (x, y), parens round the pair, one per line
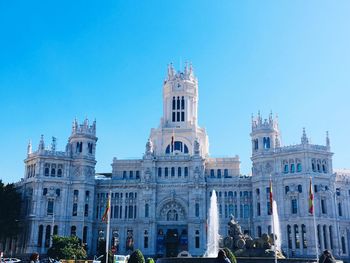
(107, 61)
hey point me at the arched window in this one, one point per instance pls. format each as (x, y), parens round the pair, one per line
(299, 167)
(303, 236)
(182, 103)
(55, 230)
(286, 189)
(85, 231)
(159, 171)
(300, 188)
(343, 246)
(47, 235)
(289, 236)
(179, 171)
(166, 172)
(292, 168)
(340, 210)
(172, 171)
(325, 236)
(256, 144)
(40, 235)
(296, 236)
(186, 171)
(50, 207)
(86, 210)
(258, 230)
(331, 236)
(73, 231)
(178, 103)
(174, 103)
(219, 173)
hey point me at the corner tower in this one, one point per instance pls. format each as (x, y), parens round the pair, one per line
(265, 135)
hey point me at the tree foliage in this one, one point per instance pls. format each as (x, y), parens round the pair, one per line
(149, 260)
(66, 248)
(230, 255)
(10, 206)
(136, 257)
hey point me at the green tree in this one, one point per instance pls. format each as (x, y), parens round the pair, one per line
(66, 248)
(230, 255)
(136, 257)
(149, 260)
(10, 206)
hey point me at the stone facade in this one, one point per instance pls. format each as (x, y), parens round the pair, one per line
(159, 202)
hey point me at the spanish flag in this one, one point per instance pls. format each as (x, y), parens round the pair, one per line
(271, 197)
(105, 214)
(311, 199)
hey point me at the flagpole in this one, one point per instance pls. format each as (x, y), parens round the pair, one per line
(108, 224)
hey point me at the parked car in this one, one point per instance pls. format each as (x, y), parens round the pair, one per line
(11, 260)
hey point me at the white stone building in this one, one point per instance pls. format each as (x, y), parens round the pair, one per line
(159, 202)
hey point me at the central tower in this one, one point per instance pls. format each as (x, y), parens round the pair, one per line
(179, 133)
(180, 98)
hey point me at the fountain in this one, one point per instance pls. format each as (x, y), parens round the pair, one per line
(266, 249)
(213, 228)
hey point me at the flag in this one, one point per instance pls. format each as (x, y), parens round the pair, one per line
(311, 199)
(105, 214)
(271, 197)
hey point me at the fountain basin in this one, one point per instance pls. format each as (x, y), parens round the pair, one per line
(239, 260)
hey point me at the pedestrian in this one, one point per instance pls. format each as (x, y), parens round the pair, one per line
(326, 257)
(34, 258)
(222, 258)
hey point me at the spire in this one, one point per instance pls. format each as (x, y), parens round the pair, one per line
(328, 144)
(29, 147)
(53, 144)
(304, 139)
(41, 143)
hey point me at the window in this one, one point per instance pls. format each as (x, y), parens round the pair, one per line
(75, 197)
(59, 170)
(172, 171)
(47, 169)
(55, 230)
(145, 239)
(40, 235)
(197, 239)
(331, 236)
(147, 210)
(45, 191)
(225, 173)
(73, 231)
(131, 214)
(159, 171)
(179, 171)
(286, 168)
(131, 174)
(323, 206)
(197, 210)
(268, 205)
(292, 168)
(258, 209)
(299, 167)
(53, 169)
(212, 173)
(300, 188)
(219, 173)
(58, 192)
(166, 172)
(186, 171)
(340, 211)
(286, 189)
(289, 233)
(124, 174)
(303, 236)
(85, 231)
(50, 204)
(47, 235)
(325, 236)
(75, 209)
(258, 230)
(86, 210)
(343, 246)
(137, 174)
(294, 206)
(296, 236)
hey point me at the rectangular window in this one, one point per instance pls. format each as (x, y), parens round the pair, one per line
(268, 206)
(131, 174)
(323, 206)
(219, 173)
(258, 209)
(173, 119)
(86, 210)
(50, 207)
(75, 209)
(182, 116)
(212, 173)
(137, 174)
(178, 116)
(197, 242)
(197, 210)
(294, 206)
